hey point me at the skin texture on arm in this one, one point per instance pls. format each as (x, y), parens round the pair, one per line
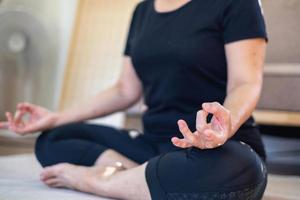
(245, 77)
(118, 97)
(245, 73)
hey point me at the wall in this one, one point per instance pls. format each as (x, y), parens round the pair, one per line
(96, 52)
(281, 90)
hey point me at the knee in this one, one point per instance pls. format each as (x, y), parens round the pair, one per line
(43, 146)
(233, 165)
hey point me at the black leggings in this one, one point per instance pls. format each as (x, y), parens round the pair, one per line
(232, 171)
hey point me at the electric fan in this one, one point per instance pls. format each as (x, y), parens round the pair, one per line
(24, 56)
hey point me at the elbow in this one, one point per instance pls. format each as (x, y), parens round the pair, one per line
(257, 85)
(129, 95)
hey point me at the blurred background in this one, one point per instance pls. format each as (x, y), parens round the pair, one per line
(56, 53)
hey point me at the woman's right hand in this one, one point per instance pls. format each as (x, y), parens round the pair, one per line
(29, 118)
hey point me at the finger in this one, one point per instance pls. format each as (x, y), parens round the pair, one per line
(182, 143)
(31, 128)
(9, 117)
(201, 122)
(186, 132)
(24, 130)
(213, 139)
(216, 109)
(217, 124)
(210, 136)
(26, 106)
(19, 115)
(10, 125)
(200, 140)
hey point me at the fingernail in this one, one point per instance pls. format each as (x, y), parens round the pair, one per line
(179, 123)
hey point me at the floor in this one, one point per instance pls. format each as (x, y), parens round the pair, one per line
(15, 149)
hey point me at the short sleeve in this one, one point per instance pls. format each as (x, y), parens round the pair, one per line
(131, 32)
(243, 19)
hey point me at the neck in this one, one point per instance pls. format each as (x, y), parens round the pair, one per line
(169, 5)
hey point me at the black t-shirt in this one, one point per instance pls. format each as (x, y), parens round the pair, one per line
(179, 57)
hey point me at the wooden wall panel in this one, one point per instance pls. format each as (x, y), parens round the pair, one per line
(96, 49)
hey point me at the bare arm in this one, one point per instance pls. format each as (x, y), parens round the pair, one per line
(120, 96)
(245, 76)
(245, 71)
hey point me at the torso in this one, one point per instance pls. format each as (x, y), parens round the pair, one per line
(180, 58)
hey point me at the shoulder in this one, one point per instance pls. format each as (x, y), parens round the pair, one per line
(242, 3)
(240, 8)
(141, 9)
(143, 5)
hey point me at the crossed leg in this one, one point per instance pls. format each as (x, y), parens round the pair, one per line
(195, 169)
(125, 184)
(78, 146)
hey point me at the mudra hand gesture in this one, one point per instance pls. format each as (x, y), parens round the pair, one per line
(207, 135)
(39, 119)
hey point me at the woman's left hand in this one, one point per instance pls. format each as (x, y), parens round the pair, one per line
(207, 135)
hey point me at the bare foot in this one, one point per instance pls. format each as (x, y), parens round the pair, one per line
(74, 177)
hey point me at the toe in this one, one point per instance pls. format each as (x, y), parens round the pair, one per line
(53, 182)
(53, 171)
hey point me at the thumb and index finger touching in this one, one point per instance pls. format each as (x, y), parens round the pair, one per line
(201, 120)
(215, 108)
(22, 108)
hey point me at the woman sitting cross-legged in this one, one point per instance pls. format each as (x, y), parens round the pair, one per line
(198, 65)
